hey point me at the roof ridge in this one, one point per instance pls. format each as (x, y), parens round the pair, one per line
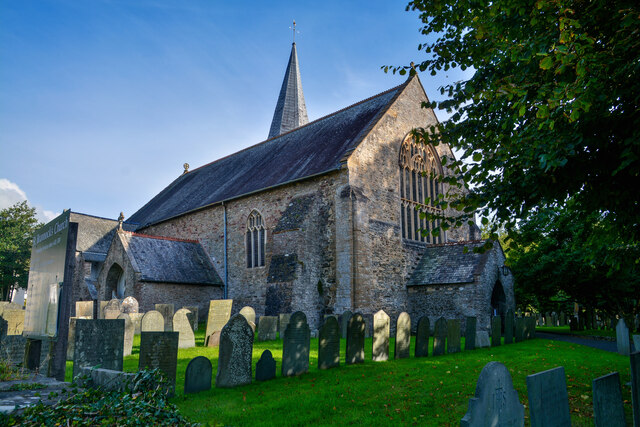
(173, 239)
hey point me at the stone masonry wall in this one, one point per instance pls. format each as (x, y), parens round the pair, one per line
(117, 255)
(180, 295)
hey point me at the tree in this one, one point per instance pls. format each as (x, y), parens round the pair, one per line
(17, 226)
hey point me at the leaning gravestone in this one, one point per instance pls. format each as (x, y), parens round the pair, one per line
(482, 339)
(519, 329)
(197, 377)
(128, 334)
(496, 335)
(329, 344)
(496, 402)
(622, 338)
(192, 316)
(129, 305)
(355, 340)
(160, 350)
(635, 386)
(213, 340)
(403, 336)
(344, 323)
(607, 401)
(84, 309)
(152, 321)
(453, 336)
(439, 336)
(548, 399)
(112, 309)
(422, 337)
(167, 311)
(470, 333)
(71, 337)
(266, 367)
(15, 321)
(181, 324)
(381, 325)
(283, 321)
(219, 315)
(236, 348)
(249, 313)
(508, 327)
(267, 328)
(98, 343)
(296, 346)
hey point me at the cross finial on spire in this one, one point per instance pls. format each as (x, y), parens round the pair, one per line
(293, 28)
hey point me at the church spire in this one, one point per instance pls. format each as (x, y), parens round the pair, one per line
(291, 111)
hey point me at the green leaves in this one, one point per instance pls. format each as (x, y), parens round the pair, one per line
(546, 63)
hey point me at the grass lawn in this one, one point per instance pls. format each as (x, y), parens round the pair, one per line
(425, 391)
(610, 333)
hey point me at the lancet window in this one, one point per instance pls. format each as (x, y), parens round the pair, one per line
(256, 240)
(419, 169)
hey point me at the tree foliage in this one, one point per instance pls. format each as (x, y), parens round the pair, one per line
(17, 225)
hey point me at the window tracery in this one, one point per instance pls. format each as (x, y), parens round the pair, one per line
(255, 240)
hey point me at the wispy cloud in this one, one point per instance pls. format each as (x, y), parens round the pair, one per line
(11, 193)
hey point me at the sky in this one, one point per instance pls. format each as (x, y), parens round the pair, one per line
(103, 101)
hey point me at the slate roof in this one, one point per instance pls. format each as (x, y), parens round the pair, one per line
(316, 148)
(448, 264)
(161, 259)
(95, 235)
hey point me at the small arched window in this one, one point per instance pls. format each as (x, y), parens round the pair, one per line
(256, 240)
(419, 169)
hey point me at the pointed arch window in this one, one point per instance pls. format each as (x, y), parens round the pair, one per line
(419, 168)
(255, 240)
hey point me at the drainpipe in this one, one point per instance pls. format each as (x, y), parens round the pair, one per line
(226, 269)
(354, 265)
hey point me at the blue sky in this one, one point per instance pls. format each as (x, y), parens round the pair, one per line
(101, 102)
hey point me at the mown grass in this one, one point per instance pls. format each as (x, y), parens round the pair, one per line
(425, 391)
(564, 330)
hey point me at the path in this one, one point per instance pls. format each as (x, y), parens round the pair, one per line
(10, 399)
(589, 342)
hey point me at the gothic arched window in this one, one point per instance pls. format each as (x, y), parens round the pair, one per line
(419, 168)
(256, 240)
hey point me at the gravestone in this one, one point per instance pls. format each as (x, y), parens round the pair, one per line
(112, 309)
(470, 333)
(547, 319)
(219, 315)
(129, 330)
(249, 313)
(6, 305)
(71, 337)
(368, 325)
(84, 309)
(167, 311)
(101, 306)
(635, 387)
(439, 336)
(98, 343)
(548, 399)
(519, 329)
(563, 319)
(136, 319)
(329, 344)
(355, 340)
(283, 321)
(636, 342)
(496, 402)
(129, 305)
(236, 348)
(197, 377)
(453, 336)
(554, 318)
(15, 321)
(266, 366)
(496, 326)
(508, 327)
(296, 346)
(193, 316)
(422, 337)
(344, 323)
(152, 321)
(267, 328)
(381, 326)
(403, 336)
(160, 350)
(183, 327)
(607, 401)
(531, 331)
(622, 338)
(482, 339)
(213, 340)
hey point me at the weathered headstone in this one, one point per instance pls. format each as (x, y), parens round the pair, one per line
(453, 336)
(112, 309)
(152, 321)
(193, 316)
(496, 334)
(283, 321)
(267, 328)
(548, 399)
(98, 343)
(15, 321)
(71, 337)
(236, 348)
(249, 313)
(508, 327)
(129, 305)
(213, 340)
(636, 342)
(129, 330)
(219, 315)
(101, 306)
(531, 330)
(167, 311)
(519, 329)
(622, 338)
(84, 309)
(296, 346)
(403, 336)
(329, 344)
(266, 367)
(136, 319)
(496, 402)
(607, 401)
(181, 324)
(422, 337)
(635, 387)
(482, 339)
(160, 350)
(563, 319)
(368, 325)
(344, 323)
(381, 326)
(197, 377)
(355, 340)
(470, 333)
(6, 305)
(439, 336)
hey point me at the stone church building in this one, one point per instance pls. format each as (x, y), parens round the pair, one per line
(322, 217)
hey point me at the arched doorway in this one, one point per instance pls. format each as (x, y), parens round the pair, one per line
(499, 302)
(115, 283)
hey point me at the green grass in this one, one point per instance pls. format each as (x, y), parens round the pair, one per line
(564, 330)
(425, 391)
